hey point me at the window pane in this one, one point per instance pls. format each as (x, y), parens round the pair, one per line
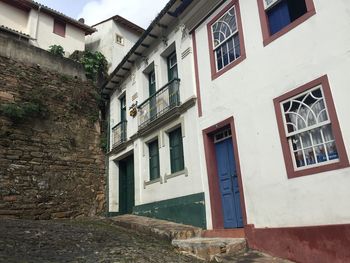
(225, 54)
(304, 111)
(226, 39)
(306, 139)
(320, 154)
(225, 27)
(237, 45)
(327, 133)
(296, 143)
(299, 159)
(316, 136)
(332, 151)
(309, 156)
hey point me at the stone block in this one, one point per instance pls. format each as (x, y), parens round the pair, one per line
(6, 96)
(10, 198)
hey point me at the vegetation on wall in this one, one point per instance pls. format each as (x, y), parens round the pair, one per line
(95, 63)
(31, 107)
(57, 50)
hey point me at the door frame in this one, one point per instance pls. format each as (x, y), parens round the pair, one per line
(210, 158)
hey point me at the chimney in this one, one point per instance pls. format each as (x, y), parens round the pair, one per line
(82, 20)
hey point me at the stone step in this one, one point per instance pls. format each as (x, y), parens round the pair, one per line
(226, 233)
(158, 228)
(210, 249)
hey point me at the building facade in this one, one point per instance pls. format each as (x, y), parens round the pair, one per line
(154, 165)
(114, 37)
(42, 26)
(265, 140)
(270, 83)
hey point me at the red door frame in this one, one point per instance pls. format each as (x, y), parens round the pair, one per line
(214, 190)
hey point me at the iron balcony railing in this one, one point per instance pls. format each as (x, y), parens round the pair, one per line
(119, 134)
(159, 103)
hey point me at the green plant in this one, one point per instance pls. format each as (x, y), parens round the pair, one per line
(19, 112)
(57, 50)
(94, 63)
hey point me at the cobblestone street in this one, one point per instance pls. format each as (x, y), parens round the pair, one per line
(92, 240)
(25, 241)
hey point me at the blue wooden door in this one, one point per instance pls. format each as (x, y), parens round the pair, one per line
(228, 182)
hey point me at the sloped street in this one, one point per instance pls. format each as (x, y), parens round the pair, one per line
(27, 241)
(91, 240)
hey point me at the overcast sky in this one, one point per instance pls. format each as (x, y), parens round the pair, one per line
(140, 12)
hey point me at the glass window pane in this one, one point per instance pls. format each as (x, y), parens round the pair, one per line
(299, 159)
(316, 136)
(309, 156)
(332, 151)
(327, 133)
(320, 154)
(306, 139)
(296, 143)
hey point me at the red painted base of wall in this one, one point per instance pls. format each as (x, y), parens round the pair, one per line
(318, 244)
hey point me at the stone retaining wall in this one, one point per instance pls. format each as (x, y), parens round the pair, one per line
(50, 166)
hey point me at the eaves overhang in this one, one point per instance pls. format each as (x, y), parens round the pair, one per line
(153, 33)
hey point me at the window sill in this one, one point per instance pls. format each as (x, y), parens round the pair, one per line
(169, 176)
(270, 38)
(318, 169)
(154, 181)
(216, 74)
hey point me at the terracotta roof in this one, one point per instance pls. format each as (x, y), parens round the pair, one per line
(15, 32)
(119, 19)
(35, 5)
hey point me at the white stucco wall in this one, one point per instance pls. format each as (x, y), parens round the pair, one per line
(74, 38)
(138, 83)
(246, 92)
(13, 17)
(104, 40)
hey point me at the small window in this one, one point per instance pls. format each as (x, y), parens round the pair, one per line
(59, 28)
(172, 67)
(310, 130)
(279, 16)
(153, 150)
(119, 39)
(122, 108)
(176, 151)
(226, 39)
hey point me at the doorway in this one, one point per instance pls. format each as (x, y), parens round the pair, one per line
(126, 185)
(224, 176)
(228, 180)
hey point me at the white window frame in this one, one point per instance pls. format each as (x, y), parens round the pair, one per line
(309, 129)
(225, 41)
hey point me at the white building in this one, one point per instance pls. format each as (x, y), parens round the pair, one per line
(265, 146)
(114, 38)
(154, 165)
(42, 26)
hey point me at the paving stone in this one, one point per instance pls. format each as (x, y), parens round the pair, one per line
(158, 228)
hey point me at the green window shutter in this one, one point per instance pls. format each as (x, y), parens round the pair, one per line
(152, 91)
(172, 74)
(153, 160)
(176, 151)
(172, 67)
(122, 109)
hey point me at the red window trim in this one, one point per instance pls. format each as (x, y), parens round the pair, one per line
(211, 164)
(59, 28)
(214, 73)
(267, 38)
(288, 159)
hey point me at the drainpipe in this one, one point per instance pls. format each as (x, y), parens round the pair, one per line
(37, 26)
